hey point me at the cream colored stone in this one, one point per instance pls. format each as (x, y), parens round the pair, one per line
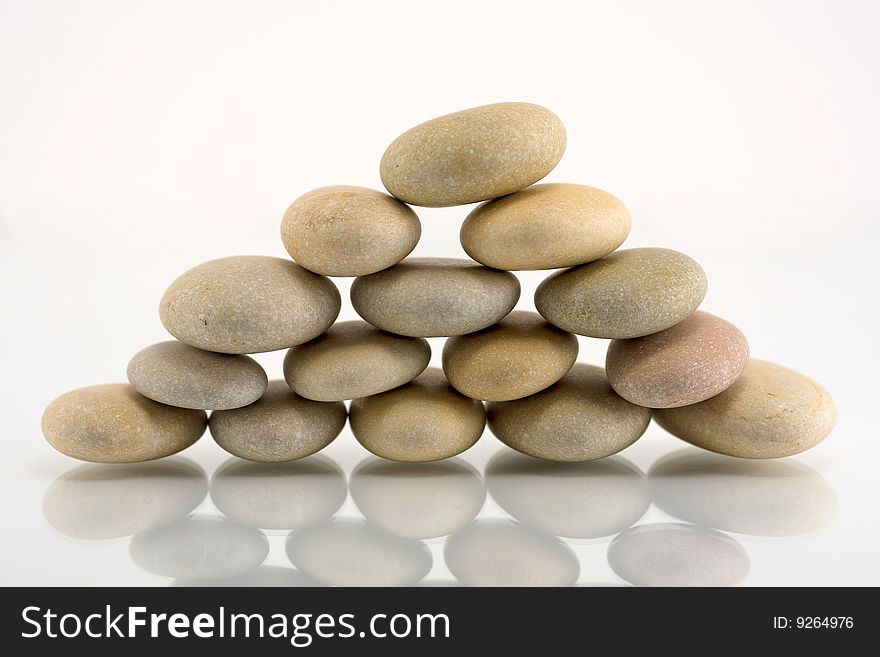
(248, 304)
(354, 359)
(435, 297)
(473, 155)
(349, 231)
(424, 420)
(281, 426)
(546, 226)
(627, 294)
(769, 412)
(519, 356)
(114, 423)
(580, 418)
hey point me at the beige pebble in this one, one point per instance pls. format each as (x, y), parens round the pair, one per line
(424, 420)
(281, 426)
(179, 375)
(697, 358)
(248, 304)
(580, 418)
(114, 423)
(627, 294)
(519, 356)
(354, 359)
(546, 226)
(473, 155)
(435, 297)
(769, 412)
(349, 231)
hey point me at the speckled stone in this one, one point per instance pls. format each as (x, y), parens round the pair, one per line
(349, 231)
(473, 155)
(546, 226)
(248, 304)
(697, 358)
(424, 420)
(435, 297)
(769, 412)
(580, 418)
(114, 423)
(627, 294)
(519, 356)
(354, 359)
(281, 426)
(179, 375)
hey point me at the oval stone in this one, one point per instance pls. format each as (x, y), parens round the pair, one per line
(424, 420)
(697, 358)
(580, 418)
(473, 155)
(769, 412)
(179, 375)
(349, 231)
(519, 356)
(354, 359)
(248, 304)
(435, 297)
(114, 423)
(546, 226)
(627, 294)
(281, 426)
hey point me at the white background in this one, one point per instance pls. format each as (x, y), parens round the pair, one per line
(139, 139)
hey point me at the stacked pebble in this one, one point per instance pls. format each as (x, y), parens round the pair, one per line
(687, 368)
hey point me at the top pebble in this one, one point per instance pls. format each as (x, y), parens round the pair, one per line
(473, 155)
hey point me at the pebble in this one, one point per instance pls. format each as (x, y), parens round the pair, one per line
(697, 358)
(547, 226)
(424, 420)
(519, 356)
(435, 297)
(248, 304)
(354, 359)
(627, 294)
(349, 231)
(580, 418)
(179, 375)
(473, 155)
(281, 426)
(114, 423)
(769, 412)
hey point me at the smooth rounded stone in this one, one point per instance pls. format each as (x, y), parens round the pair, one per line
(288, 495)
(769, 412)
(435, 297)
(354, 359)
(349, 231)
(199, 547)
(473, 155)
(672, 554)
(176, 374)
(280, 426)
(501, 553)
(248, 304)
(114, 423)
(351, 553)
(574, 500)
(627, 294)
(758, 498)
(580, 418)
(697, 358)
(546, 226)
(261, 577)
(418, 500)
(424, 420)
(519, 356)
(93, 502)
